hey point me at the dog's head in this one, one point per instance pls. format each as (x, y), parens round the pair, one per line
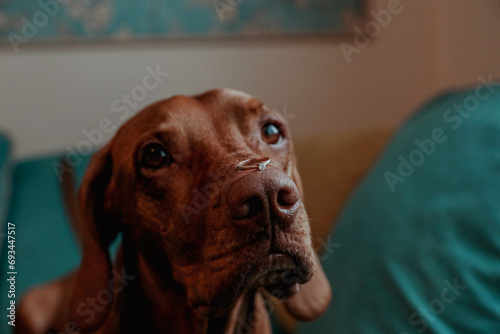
(176, 178)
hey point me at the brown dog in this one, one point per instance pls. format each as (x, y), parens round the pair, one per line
(203, 230)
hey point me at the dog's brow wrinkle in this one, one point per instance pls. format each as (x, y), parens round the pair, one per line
(214, 270)
(255, 105)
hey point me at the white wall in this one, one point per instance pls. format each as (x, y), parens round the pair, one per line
(50, 93)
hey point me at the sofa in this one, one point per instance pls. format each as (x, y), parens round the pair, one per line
(406, 222)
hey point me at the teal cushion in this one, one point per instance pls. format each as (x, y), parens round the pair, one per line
(419, 241)
(45, 246)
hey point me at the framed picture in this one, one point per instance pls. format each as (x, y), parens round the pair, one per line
(89, 20)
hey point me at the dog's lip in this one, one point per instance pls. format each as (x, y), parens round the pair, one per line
(277, 259)
(270, 269)
(275, 256)
(274, 272)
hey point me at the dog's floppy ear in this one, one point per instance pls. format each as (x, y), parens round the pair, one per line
(97, 229)
(314, 296)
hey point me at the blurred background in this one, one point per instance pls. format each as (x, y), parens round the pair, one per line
(51, 92)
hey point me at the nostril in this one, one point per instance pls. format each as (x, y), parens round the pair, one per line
(285, 206)
(287, 198)
(253, 206)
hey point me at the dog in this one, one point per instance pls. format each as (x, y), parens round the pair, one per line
(207, 197)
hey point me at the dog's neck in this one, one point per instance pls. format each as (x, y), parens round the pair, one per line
(156, 301)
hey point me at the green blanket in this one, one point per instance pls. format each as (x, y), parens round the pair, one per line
(418, 245)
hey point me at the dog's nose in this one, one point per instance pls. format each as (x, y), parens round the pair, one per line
(261, 198)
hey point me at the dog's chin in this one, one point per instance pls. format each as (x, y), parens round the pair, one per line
(279, 271)
(280, 274)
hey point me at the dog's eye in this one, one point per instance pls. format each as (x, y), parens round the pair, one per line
(155, 156)
(271, 134)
